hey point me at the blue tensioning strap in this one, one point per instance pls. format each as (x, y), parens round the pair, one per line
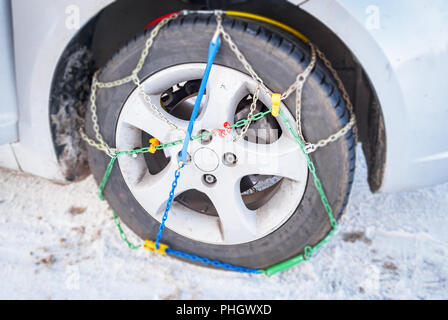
(212, 51)
(168, 206)
(214, 263)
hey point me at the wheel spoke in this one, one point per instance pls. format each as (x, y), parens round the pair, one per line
(139, 114)
(239, 224)
(152, 191)
(223, 93)
(282, 158)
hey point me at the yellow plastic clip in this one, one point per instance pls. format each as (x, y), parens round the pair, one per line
(154, 141)
(152, 149)
(151, 246)
(276, 98)
(153, 144)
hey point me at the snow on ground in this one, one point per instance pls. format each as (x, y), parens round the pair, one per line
(60, 242)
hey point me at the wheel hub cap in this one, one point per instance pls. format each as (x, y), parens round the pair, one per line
(205, 159)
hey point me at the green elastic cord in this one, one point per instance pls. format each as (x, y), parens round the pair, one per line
(123, 235)
(106, 176)
(308, 250)
(111, 165)
(238, 124)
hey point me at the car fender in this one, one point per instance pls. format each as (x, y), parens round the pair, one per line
(405, 57)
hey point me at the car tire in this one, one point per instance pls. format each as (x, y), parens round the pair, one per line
(277, 57)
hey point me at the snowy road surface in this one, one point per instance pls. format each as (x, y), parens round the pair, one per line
(59, 242)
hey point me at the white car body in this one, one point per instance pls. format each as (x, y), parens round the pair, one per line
(403, 51)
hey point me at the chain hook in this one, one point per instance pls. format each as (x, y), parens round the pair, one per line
(309, 148)
(111, 152)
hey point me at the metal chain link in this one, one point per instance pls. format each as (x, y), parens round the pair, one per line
(300, 81)
(141, 62)
(260, 84)
(168, 205)
(308, 250)
(123, 234)
(214, 263)
(352, 122)
(100, 143)
(148, 100)
(301, 77)
(253, 107)
(238, 124)
(296, 87)
(238, 54)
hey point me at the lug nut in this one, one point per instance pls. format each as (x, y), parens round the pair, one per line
(209, 179)
(229, 159)
(206, 139)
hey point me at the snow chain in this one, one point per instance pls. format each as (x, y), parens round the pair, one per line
(306, 147)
